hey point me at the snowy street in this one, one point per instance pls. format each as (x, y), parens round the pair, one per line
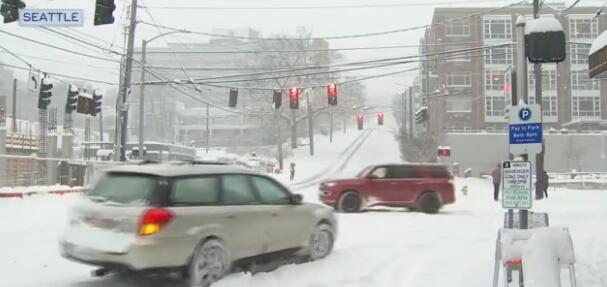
(380, 247)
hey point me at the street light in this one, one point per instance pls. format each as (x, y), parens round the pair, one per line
(144, 44)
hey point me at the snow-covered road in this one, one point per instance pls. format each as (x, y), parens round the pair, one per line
(381, 247)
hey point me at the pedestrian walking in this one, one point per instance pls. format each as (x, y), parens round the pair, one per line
(544, 183)
(292, 170)
(497, 178)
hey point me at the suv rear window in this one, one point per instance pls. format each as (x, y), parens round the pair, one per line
(439, 172)
(129, 189)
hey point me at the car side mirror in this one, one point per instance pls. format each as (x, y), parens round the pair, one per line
(296, 199)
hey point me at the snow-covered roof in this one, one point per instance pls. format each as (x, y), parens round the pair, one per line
(543, 25)
(85, 95)
(598, 43)
(73, 88)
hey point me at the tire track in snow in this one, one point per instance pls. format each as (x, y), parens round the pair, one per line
(339, 164)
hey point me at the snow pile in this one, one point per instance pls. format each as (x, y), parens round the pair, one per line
(543, 25)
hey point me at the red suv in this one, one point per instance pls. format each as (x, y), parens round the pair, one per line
(425, 187)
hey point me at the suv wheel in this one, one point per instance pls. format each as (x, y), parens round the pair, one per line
(428, 203)
(209, 264)
(350, 202)
(321, 242)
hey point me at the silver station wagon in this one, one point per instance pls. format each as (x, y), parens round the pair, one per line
(195, 218)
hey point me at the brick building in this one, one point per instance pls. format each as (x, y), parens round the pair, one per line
(475, 80)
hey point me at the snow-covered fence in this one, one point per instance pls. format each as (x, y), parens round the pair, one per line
(579, 180)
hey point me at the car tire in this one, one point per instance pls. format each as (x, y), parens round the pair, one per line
(350, 202)
(209, 263)
(428, 203)
(321, 242)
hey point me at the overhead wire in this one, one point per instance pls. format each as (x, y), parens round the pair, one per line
(319, 7)
(488, 11)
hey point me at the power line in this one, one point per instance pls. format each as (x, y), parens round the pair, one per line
(369, 62)
(360, 6)
(343, 36)
(59, 48)
(59, 75)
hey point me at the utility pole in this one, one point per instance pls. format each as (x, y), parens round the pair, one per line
(331, 133)
(208, 145)
(537, 71)
(101, 125)
(403, 121)
(127, 80)
(521, 87)
(427, 80)
(411, 121)
(14, 123)
(279, 140)
(142, 98)
(293, 129)
(310, 123)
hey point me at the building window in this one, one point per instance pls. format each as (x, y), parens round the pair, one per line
(460, 28)
(494, 80)
(459, 105)
(498, 28)
(495, 106)
(499, 56)
(583, 28)
(462, 79)
(548, 79)
(579, 53)
(586, 106)
(581, 81)
(463, 56)
(549, 105)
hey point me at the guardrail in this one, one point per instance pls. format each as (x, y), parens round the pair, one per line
(579, 180)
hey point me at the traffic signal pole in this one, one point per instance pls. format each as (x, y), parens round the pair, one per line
(310, 123)
(14, 123)
(127, 80)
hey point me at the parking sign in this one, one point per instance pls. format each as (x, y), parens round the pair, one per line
(516, 185)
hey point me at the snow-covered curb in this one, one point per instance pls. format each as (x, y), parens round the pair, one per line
(22, 192)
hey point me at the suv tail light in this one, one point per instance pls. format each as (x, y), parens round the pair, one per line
(153, 220)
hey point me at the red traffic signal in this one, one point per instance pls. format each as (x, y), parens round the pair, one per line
(332, 90)
(359, 120)
(294, 98)
(444, 151)
(380, 119)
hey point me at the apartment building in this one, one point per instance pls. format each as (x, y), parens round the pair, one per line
(472, 88)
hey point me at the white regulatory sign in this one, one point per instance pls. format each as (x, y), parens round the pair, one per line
(516, 185)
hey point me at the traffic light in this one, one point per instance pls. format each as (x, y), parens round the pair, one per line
(233, 98)
(72, 99)
(380, 119)
(444, 151)
(360, 120)
(103, 12)
(332, 94)
(10, 10)
(277, 99)
(294, 98)
(85, 104)
(97, 103)
(421, 115)
(44, 99)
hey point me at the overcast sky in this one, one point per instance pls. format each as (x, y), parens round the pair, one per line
(322, 22)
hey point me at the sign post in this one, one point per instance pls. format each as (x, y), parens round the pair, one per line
(516, 185)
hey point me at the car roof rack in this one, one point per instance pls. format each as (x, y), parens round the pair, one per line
(201, 162)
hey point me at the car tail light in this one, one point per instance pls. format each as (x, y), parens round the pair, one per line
(153, 220)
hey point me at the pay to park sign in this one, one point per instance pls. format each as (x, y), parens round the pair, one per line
(516, 185)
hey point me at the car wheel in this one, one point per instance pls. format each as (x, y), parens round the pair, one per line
(428, 203)
(350, 202)
(321, 242)
(209, 264)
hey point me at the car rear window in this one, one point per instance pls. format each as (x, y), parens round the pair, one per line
(128, 189)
